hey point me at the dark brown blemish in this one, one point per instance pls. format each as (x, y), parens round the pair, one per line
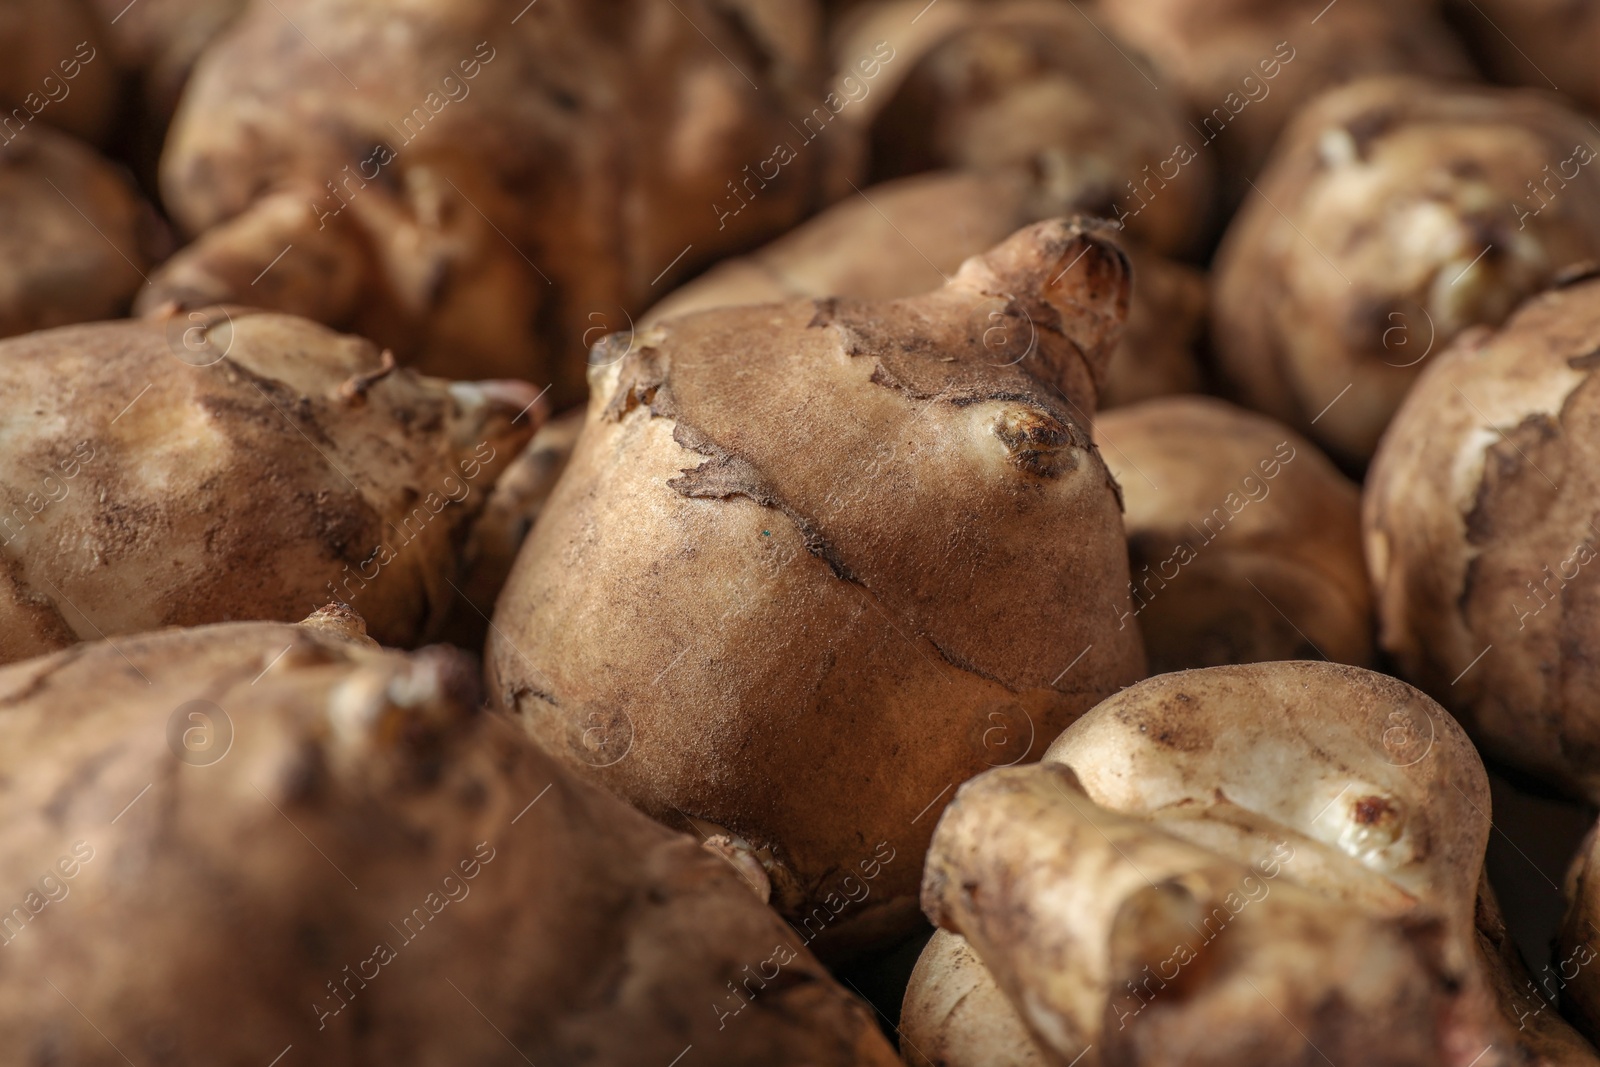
(1369, 811)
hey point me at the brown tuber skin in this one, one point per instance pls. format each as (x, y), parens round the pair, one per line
(1543, 44)
(1244, 541)
(1366, 251)
(54, 70)
(368, 869)
(249, 470)
(907, 235)
(495, 197)
(1204, 871)
(1480, 525)
(1247, 67)
(1571, 975)
(76, 238)
(1032, 85)
(798, 542)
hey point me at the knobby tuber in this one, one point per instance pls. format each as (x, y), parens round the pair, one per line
(1480, 524)
(1544, 44)
(1033, 84)
(53, 70)
(76, 238)
(228, 464)
(486, 191)
(368, 869)
(812, 563)
(1244, 865)
(1395, 214)
(1247, 67)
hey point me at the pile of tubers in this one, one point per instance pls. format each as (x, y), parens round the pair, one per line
(984, 533)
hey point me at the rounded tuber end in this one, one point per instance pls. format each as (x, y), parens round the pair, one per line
(1073, 283)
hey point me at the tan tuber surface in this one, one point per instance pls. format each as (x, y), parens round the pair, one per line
(1479, 518)
(1395, 214)
(76, 238)
(488, 198)
(1032, 85)
(813, 563)
(1244, 542)
(955, 1016)
(905, 236)
(169, 474)
(1238, 865)
(368, 869)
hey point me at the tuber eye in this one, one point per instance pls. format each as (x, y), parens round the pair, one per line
(1372, 824)
(1035, 442)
